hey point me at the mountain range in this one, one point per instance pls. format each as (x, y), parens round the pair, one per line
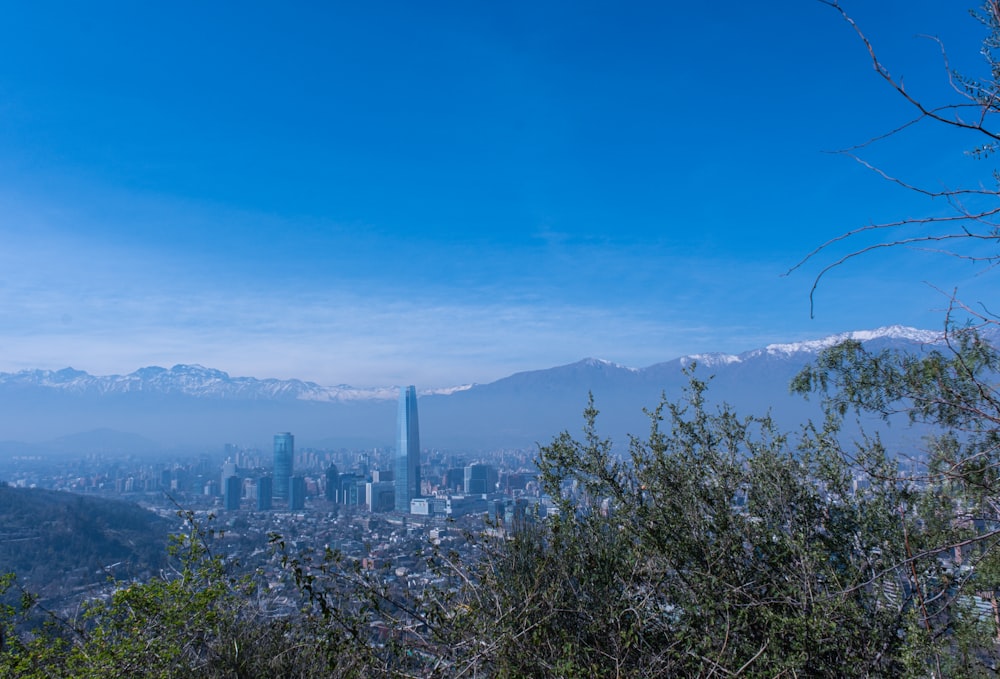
(156, 408)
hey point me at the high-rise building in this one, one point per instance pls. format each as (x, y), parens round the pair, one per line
(380, 496)
(233, 489)
(284, 453)
(264, 491)
(332, 483)
(297, 493)
(454, 479)
(479, 479)
(228, 469)
(407, 476)
(348, 492)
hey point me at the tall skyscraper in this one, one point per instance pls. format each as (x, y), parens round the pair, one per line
(265, 488)
(407, 450)
(232, 489)
(284, 452)
(228, 469)
(297, 493)
(332, 478)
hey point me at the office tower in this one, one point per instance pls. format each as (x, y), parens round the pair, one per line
(228, 470)
(351, 490)
(407, 450)
(380, 496)
(233, 489)
(297, 492)
(284, 452)
(454, 479)
(479, 479)
(332, 483)
(264, 492)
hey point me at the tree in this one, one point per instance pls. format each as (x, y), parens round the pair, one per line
(951, 521)
(717, 548)
(196, 619)
(949, 517)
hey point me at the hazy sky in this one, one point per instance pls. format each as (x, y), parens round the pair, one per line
(445, 192)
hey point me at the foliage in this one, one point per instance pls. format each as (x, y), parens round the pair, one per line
(362, 621)
(56, 540)
(952, 520)
(198, 620)
(715, 549)
(950, 388)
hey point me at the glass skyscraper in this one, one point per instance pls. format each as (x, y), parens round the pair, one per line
(264, 490)
(232, 491)
(297, 493)
(407, 450)
(284, 452)
(479, 479)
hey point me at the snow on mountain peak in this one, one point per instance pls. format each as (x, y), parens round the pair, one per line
(445, 391)
(887, 332)
(199, 381)
(603, 363)
(897, 332)
(709, 360)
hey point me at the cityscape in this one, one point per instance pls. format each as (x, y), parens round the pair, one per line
(376, 506)
(286, 479)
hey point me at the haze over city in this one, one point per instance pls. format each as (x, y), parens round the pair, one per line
(450, 193)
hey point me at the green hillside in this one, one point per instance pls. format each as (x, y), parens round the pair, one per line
(57, 541)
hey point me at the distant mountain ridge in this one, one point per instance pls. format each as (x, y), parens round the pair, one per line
(190, 380)
(199, 381)
(194, 405)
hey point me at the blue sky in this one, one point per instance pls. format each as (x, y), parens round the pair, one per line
(446, 192)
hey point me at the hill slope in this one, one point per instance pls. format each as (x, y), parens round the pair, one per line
(56, 542)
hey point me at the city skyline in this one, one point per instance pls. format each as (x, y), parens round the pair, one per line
(380, 195)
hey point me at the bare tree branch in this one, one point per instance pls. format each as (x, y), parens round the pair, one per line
(978, 101)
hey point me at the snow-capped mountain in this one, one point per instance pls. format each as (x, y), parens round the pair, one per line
(193, 404)
(200, 382)
(197, 381)
(897, 333)
(889, 333)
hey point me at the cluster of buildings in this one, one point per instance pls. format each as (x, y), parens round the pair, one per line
(460, 491)
(379, 507)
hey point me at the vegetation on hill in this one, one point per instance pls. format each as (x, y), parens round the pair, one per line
(58, 541)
